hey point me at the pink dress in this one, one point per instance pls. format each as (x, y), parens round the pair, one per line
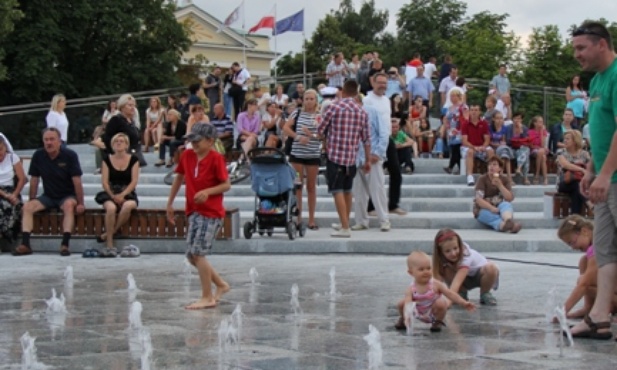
(424, 302)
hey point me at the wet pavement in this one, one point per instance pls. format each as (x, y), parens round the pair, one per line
(96, 333)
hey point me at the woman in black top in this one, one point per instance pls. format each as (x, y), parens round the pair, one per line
(120, 173)
(123, 123)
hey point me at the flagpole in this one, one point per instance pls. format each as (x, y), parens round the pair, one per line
(303, 51)
(244, 35)
(275, 47)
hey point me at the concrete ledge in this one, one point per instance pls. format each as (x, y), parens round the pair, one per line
(395, 242)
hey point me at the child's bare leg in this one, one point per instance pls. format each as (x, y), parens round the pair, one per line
(221, 285)
(205, 276)
(490, 274)
(400, 323)
(439, 310)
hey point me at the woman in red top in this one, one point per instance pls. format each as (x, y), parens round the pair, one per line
(417, 112)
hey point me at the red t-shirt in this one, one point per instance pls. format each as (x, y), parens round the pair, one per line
(209, 172)
(475, 133)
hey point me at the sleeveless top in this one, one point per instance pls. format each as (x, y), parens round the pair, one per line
(118, 177)
(424, 301)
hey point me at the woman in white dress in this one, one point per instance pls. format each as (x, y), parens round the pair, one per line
(155, 115)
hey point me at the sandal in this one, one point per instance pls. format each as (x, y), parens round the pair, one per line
(313, 227)
(99, 239)
(592, 333)
(22, 250)
(436, 326)
(464, 295)
(64, 251)
(400, 324)
(488, 299)
(526, 181)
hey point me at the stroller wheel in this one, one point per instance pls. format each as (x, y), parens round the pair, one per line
(261, 233)
(270, 232)
(291, 230)
(301, 229)
(248, 230)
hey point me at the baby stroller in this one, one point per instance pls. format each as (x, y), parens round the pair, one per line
(273, 181)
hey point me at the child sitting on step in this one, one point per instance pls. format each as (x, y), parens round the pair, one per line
(427, 293)
(577, 232)
(463, 268)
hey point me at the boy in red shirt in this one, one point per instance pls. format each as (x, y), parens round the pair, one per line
(205, 175)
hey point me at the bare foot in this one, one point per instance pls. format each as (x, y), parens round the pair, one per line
(220, 290)
(201, 304)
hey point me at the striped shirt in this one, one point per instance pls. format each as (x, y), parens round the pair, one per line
(310, 150)
(223, 124)
(345, 125)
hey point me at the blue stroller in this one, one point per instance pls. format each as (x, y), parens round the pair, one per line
(273, 181)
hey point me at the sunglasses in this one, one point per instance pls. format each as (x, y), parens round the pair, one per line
(588, 31)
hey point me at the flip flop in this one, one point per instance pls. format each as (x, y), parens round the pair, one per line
(313, 227)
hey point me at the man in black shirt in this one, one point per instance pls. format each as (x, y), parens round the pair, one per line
(212, 88)
(62, 188)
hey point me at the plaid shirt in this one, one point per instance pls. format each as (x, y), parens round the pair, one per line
(344, 124)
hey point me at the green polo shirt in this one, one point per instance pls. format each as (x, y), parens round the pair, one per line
(603, 115)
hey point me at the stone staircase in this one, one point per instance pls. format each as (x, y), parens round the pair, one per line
(433, 199)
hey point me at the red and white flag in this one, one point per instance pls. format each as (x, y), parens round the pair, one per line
(265, 22)
(232, 18)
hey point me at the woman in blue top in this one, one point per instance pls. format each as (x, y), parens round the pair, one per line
(575, 95)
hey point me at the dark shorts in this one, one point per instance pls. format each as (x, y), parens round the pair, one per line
(50, 203)
(339, 178)
(201, 234)
(305, 161)
(472, 282)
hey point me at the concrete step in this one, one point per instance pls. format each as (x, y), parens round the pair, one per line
(397, 242)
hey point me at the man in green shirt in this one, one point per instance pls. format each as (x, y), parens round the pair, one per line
(593, 48)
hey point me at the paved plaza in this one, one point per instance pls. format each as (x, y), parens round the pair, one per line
(327, 333)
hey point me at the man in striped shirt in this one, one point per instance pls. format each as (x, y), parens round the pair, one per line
(344, 125)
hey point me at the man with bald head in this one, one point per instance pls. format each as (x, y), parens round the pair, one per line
(224, 126)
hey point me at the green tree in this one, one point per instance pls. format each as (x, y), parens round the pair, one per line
(84, 48)
(364, 26)
(422, 24)
(9, 14)
(493, 45)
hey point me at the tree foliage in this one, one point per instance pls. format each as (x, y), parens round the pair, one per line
(85, 48)
(9, 14)
(422, 24)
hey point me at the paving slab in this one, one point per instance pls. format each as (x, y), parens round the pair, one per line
(95, 331)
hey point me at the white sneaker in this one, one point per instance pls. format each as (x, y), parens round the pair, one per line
(358, 227)
(470, 180)
(385, 226)
(372, 213)
(336, 227)
(342, 233)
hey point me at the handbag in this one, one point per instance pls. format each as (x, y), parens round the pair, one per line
(517, 142)
(290, 140)
(570, 176)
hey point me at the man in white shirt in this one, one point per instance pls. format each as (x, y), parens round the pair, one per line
(337, 71)
(430, 69)
(446, 85)
(240, 85)
(504, 105)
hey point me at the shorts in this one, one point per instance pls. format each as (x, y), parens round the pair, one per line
(483, 156)
(51, 203)
(605, 230)
(339, 178)
(305, 161)
(201, 233)
(472, 282)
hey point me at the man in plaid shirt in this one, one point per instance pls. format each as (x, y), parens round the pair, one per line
(344, 124)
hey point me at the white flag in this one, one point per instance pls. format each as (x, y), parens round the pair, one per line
(231, 18)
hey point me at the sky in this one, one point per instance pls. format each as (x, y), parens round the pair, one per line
(524, 14)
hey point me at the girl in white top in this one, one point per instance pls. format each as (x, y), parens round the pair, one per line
(56, 117)
(110, 111)
(279, 98)
(462, 268)
(155, 114)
